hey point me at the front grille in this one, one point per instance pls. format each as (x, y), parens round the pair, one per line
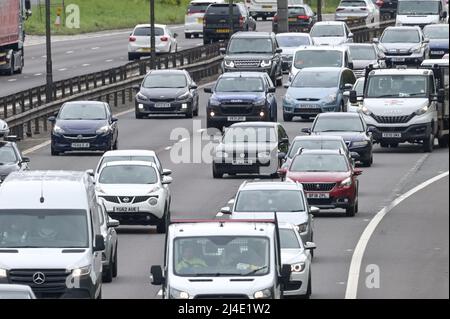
(308, 99)
(293, 285)
(126, 199)
(54, 280)
(247, 63)
(80, 136)
(318, 187)
(162, 99)
(112, 199)
(140, 199)
(397, 53)
(222, 296)
(321, 201)
(237, 110)
(304, 110)
(392, 119)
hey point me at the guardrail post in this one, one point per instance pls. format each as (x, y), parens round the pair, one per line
(79, 84)
(45, 124)
(130, 94)
(28, 133)
(36, 126)
(115, 99)
(123, 96)
(30, 99)
(86, 80)
(22, 102)
(14, 107)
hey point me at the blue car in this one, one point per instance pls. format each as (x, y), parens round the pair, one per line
(241, 97)
(84, 126)
(438, 35)
(317, 90)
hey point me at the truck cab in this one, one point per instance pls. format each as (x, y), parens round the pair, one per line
(420, 12)
(402, 105)
(235, 259)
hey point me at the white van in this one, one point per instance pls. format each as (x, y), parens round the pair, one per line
(265, 8)
(50, 236)
(193, 20)
(421, 12)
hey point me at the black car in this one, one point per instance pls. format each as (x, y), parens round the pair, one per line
(11, 159)
(254, 51)
(216, 22)
(241, 97)
(351, 127)
(388, 8)
(84, 126)
(167, 92)
(301, 18)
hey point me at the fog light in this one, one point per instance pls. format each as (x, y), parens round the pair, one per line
(141, 106)
(153, 201)
(261, 114)
(184, 106)
(212, 114)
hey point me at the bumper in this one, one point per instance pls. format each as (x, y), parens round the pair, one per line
(97, 143)
(298, 284)
(174, 107)
(338, 198)
(140, 218)
(137, 214)
(237, 114)
(271, 71)
(145, 51)
(413, 133)
(311, 109)
(413, 59)
(212, 34)
(263, 12)
(193, 28)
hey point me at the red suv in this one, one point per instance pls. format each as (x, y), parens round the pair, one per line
(329, 179)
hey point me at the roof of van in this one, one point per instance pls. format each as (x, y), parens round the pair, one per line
(400, 72)
(60, 189)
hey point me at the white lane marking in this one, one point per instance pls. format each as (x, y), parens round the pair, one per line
(37, 147)
(168, 148)
(355, 265)
(62, 69)
(201, 130)
(86, 64)
(12, 80)
(37, 74)
(95, 48)
(44, 56)
(109, 60)
(183, 140)
(69, 52)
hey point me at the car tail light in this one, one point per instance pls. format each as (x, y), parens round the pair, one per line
(164, 39)
(241, 21)
(275, 18)
(303, 17)
(379, 3)
(132, 39)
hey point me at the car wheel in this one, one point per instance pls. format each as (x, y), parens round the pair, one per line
(116, 145)
(139, 115)
(196, 110)
(11, 69)
(443, 141)
(216, 174)
(351, 211)
(54, 152)
(130, 57)
(99, 294)
(108, 271)
(190, 114)
(162, 225)
(206, 41)
(196, 35)
(428, 145)
(115, 264)
(287, 117)
(187, 35)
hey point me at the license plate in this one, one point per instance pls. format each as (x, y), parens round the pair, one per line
(145, 50)
(242, 162)
(121, 209)
(392, 135)
(267, 7)
(223, 30)
(398, 59)
(309, 106)
(81, 145)
(292, 20)
(236, 118)
(318, 195)
(162, 105)
(437, 52)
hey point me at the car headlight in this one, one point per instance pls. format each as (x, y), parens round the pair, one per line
(98, 189)
(266, 63)
(263, 294)
(263, 154)
(422, 110)
(58, 130)
(184, 96)
(82, 271)
(214, 102)
(141, 96)
(346, 182)
(360, 143)
(178, 294)
(302, 227)
(104, 130)
(366, 111)
(298, 267)
(261, 102)
(288, 99)
(3, 273)
(221, 154)
(330, 98)
(416, 49)
(229, 64)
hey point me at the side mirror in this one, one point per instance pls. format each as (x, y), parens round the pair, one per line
(136, 88)
(193, 86)
(207, 90)
(346, 94)
(306, 130)
(376, 40)
(166, 172)
(156, 277)
(223, 50)
(52, 119)
(99, 243)
(314, 210)
(350, 35)
(287, 85)
(278, 50)
(281, 155)
(444, 15)
(90, 172)
(271, 90)
(175, 35)
(167, 180)
(285, 274)
(282, 172)
(225, 210)
(112, 223)
(355, 155)
(353, 97)
(426, 40)
(441, 96)
(25, 159)
(357, 172)
(351, 65)
(114, 119)
(310, 245)
(348, 87)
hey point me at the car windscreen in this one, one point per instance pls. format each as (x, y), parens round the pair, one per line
(250, 135)
(327, 31)
(75, 111)
(288, 239)
(352, 3)
(314, 145)
(250, 46)
(291, 41)
(145, 32)
(109, 159)
(43, 228)
(241, 84)
(419, 7)
(397, 86)
(363, 52)
(341, 124)
(434, 32)
(319, 163)
(216, 256)
(169, 81)
(400, 36)
(128, 174)
(7, 154)
(254, 201)
(317, 79)
(318, 58)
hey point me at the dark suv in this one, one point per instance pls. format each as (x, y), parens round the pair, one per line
(216, 22)
(388, 8)
(254, 51)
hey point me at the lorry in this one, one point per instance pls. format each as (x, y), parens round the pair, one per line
(405, 105)
(13, 14)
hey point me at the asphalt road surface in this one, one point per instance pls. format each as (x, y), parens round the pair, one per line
(410, 246)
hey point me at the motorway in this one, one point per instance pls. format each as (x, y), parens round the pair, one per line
(410, 245)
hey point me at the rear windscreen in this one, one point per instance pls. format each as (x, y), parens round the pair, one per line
(197, 8)
(145, 32)
(222, 10)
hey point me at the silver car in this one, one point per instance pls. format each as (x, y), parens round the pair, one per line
(365, 54)
(16, 292)
(356, 11)
(109, 255)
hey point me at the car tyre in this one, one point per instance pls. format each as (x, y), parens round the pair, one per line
(139, 115)
(351, 211)
(161, 227)
(54, 152)
(443, 141)
(216, 174)
(108, 271)
(187, 35)
(287, 117)
(428, 144)
(115, 264)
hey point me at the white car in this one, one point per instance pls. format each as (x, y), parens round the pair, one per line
(139, 41)
(289, 42)
(4, 128)
(133, 193)
(353, 11)
(331, 33)
(359, 88)
(193, 20)
(298, 255)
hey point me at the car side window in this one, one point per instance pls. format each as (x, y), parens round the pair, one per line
(431, 83)
(281, 132)
(348, 77)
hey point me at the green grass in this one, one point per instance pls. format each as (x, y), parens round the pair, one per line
(330, 5)
(98, 15)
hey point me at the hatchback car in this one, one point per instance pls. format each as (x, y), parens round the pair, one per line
(167, 92)
(361, 12)
(328, 178)
(301, 18)
(241, 97)
(250, 148)
(139, 41)
(84, 126)
(403, 45)
(351, 127)
(289, 43)
(438, 35)
(317, 90)
(365, 54)
(331, 33)
(11, 159)
(133, 193)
